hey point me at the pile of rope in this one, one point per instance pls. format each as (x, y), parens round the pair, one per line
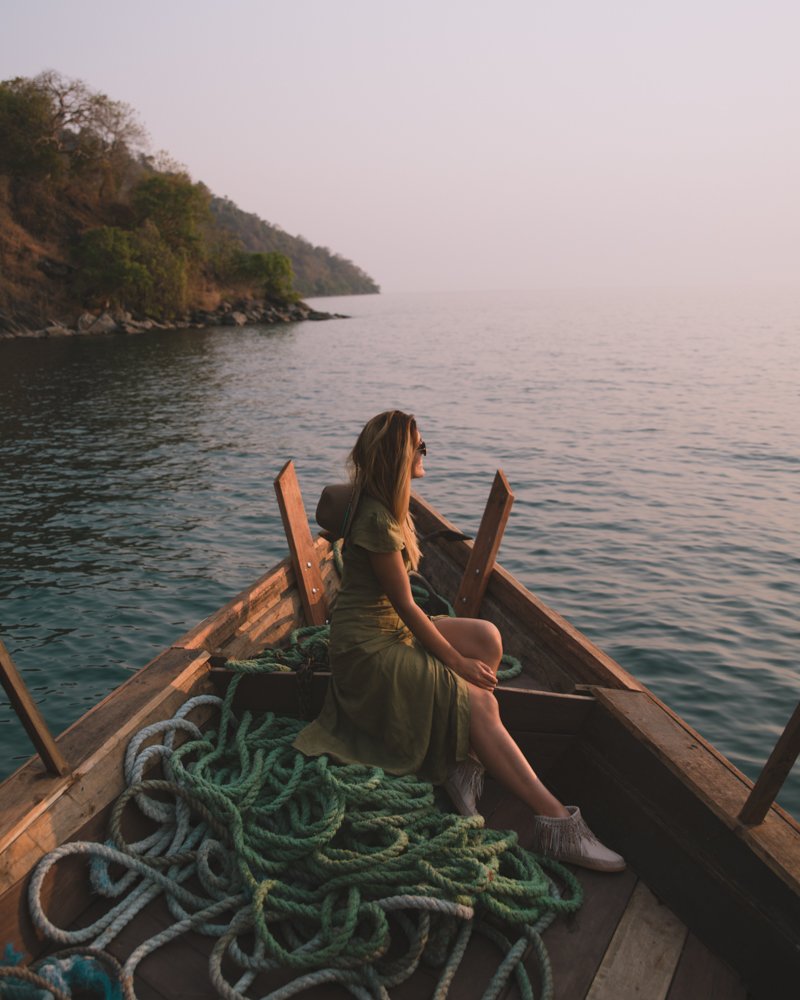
(295, 866)
(76, 972)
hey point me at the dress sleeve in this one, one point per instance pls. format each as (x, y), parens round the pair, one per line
(376, 530)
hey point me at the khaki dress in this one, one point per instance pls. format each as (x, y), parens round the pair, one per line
(389, 703)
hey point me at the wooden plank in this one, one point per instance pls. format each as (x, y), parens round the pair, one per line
(484, 551)
(641, 801)
(701, 974)
(66, 891)
(275, 692)
(28, 792)
(576, 946)
(166, 680)
(275, 632)
(715, 782)
(301, 546)
(97, 781)
(217, 628)
(542, 711)
(543, 750)
(176, 969)
(643, 954)
(65, 895)
(223, 625)
(29, 715)
(271, 624)
(776, 771)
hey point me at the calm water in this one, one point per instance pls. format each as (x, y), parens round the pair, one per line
(651, 440)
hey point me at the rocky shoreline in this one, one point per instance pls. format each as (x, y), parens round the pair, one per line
(116, 321)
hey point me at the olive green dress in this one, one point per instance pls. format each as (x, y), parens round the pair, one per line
(389, 703)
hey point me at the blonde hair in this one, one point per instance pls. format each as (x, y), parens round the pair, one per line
(381, 463)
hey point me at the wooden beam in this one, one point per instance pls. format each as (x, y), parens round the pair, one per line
(301, 546)
(775, 772)
(643, 953)
(29, 715)
(484, 551)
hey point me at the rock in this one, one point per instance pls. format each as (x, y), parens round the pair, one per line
(105, 323)
(19, 322)
(234, 319)
(57, 330)
(84, 321)
(55, 268)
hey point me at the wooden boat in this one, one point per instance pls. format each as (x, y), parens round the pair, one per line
(709, 905)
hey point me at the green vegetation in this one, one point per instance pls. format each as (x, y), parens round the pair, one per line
(87, 219)
(317, 270)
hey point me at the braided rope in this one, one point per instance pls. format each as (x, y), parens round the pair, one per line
(85, 970)
(16, 990)
(300, 864)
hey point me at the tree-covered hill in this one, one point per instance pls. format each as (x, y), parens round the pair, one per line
(317, 270)
(89, 220)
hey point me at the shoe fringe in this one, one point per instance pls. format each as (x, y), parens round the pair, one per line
(467, 782)
(563, 836)
(473, 774)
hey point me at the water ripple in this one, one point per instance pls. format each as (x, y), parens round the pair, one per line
(651, 444)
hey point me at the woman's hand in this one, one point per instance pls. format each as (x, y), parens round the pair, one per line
(476, 672)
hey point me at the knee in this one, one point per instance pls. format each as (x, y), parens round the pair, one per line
(483, 704)
(493, 642)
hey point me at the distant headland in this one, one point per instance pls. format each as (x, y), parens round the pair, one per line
(99, 236)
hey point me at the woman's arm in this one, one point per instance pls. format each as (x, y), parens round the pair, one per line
(390, 570)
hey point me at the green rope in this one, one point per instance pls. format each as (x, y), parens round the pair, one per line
(337, 873)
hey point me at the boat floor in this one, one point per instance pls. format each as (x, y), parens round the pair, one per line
(622, 943)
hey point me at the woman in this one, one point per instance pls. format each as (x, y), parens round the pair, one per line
(412, 695)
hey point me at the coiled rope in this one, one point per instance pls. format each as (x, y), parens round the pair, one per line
(336, 873)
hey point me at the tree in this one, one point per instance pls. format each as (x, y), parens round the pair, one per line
(110, 271)
(25, 146)
(83, 121)
(51, 125)
(133, 270)
(168, 271)
(270, 272)
(178, 208)
(278, 278)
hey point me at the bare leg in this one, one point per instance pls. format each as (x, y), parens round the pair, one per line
(490, 739)
(503, 759)
(473, 637)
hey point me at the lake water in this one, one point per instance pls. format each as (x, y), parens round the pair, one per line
(650, 438)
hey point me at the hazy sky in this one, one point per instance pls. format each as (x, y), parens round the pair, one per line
(450, 144)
